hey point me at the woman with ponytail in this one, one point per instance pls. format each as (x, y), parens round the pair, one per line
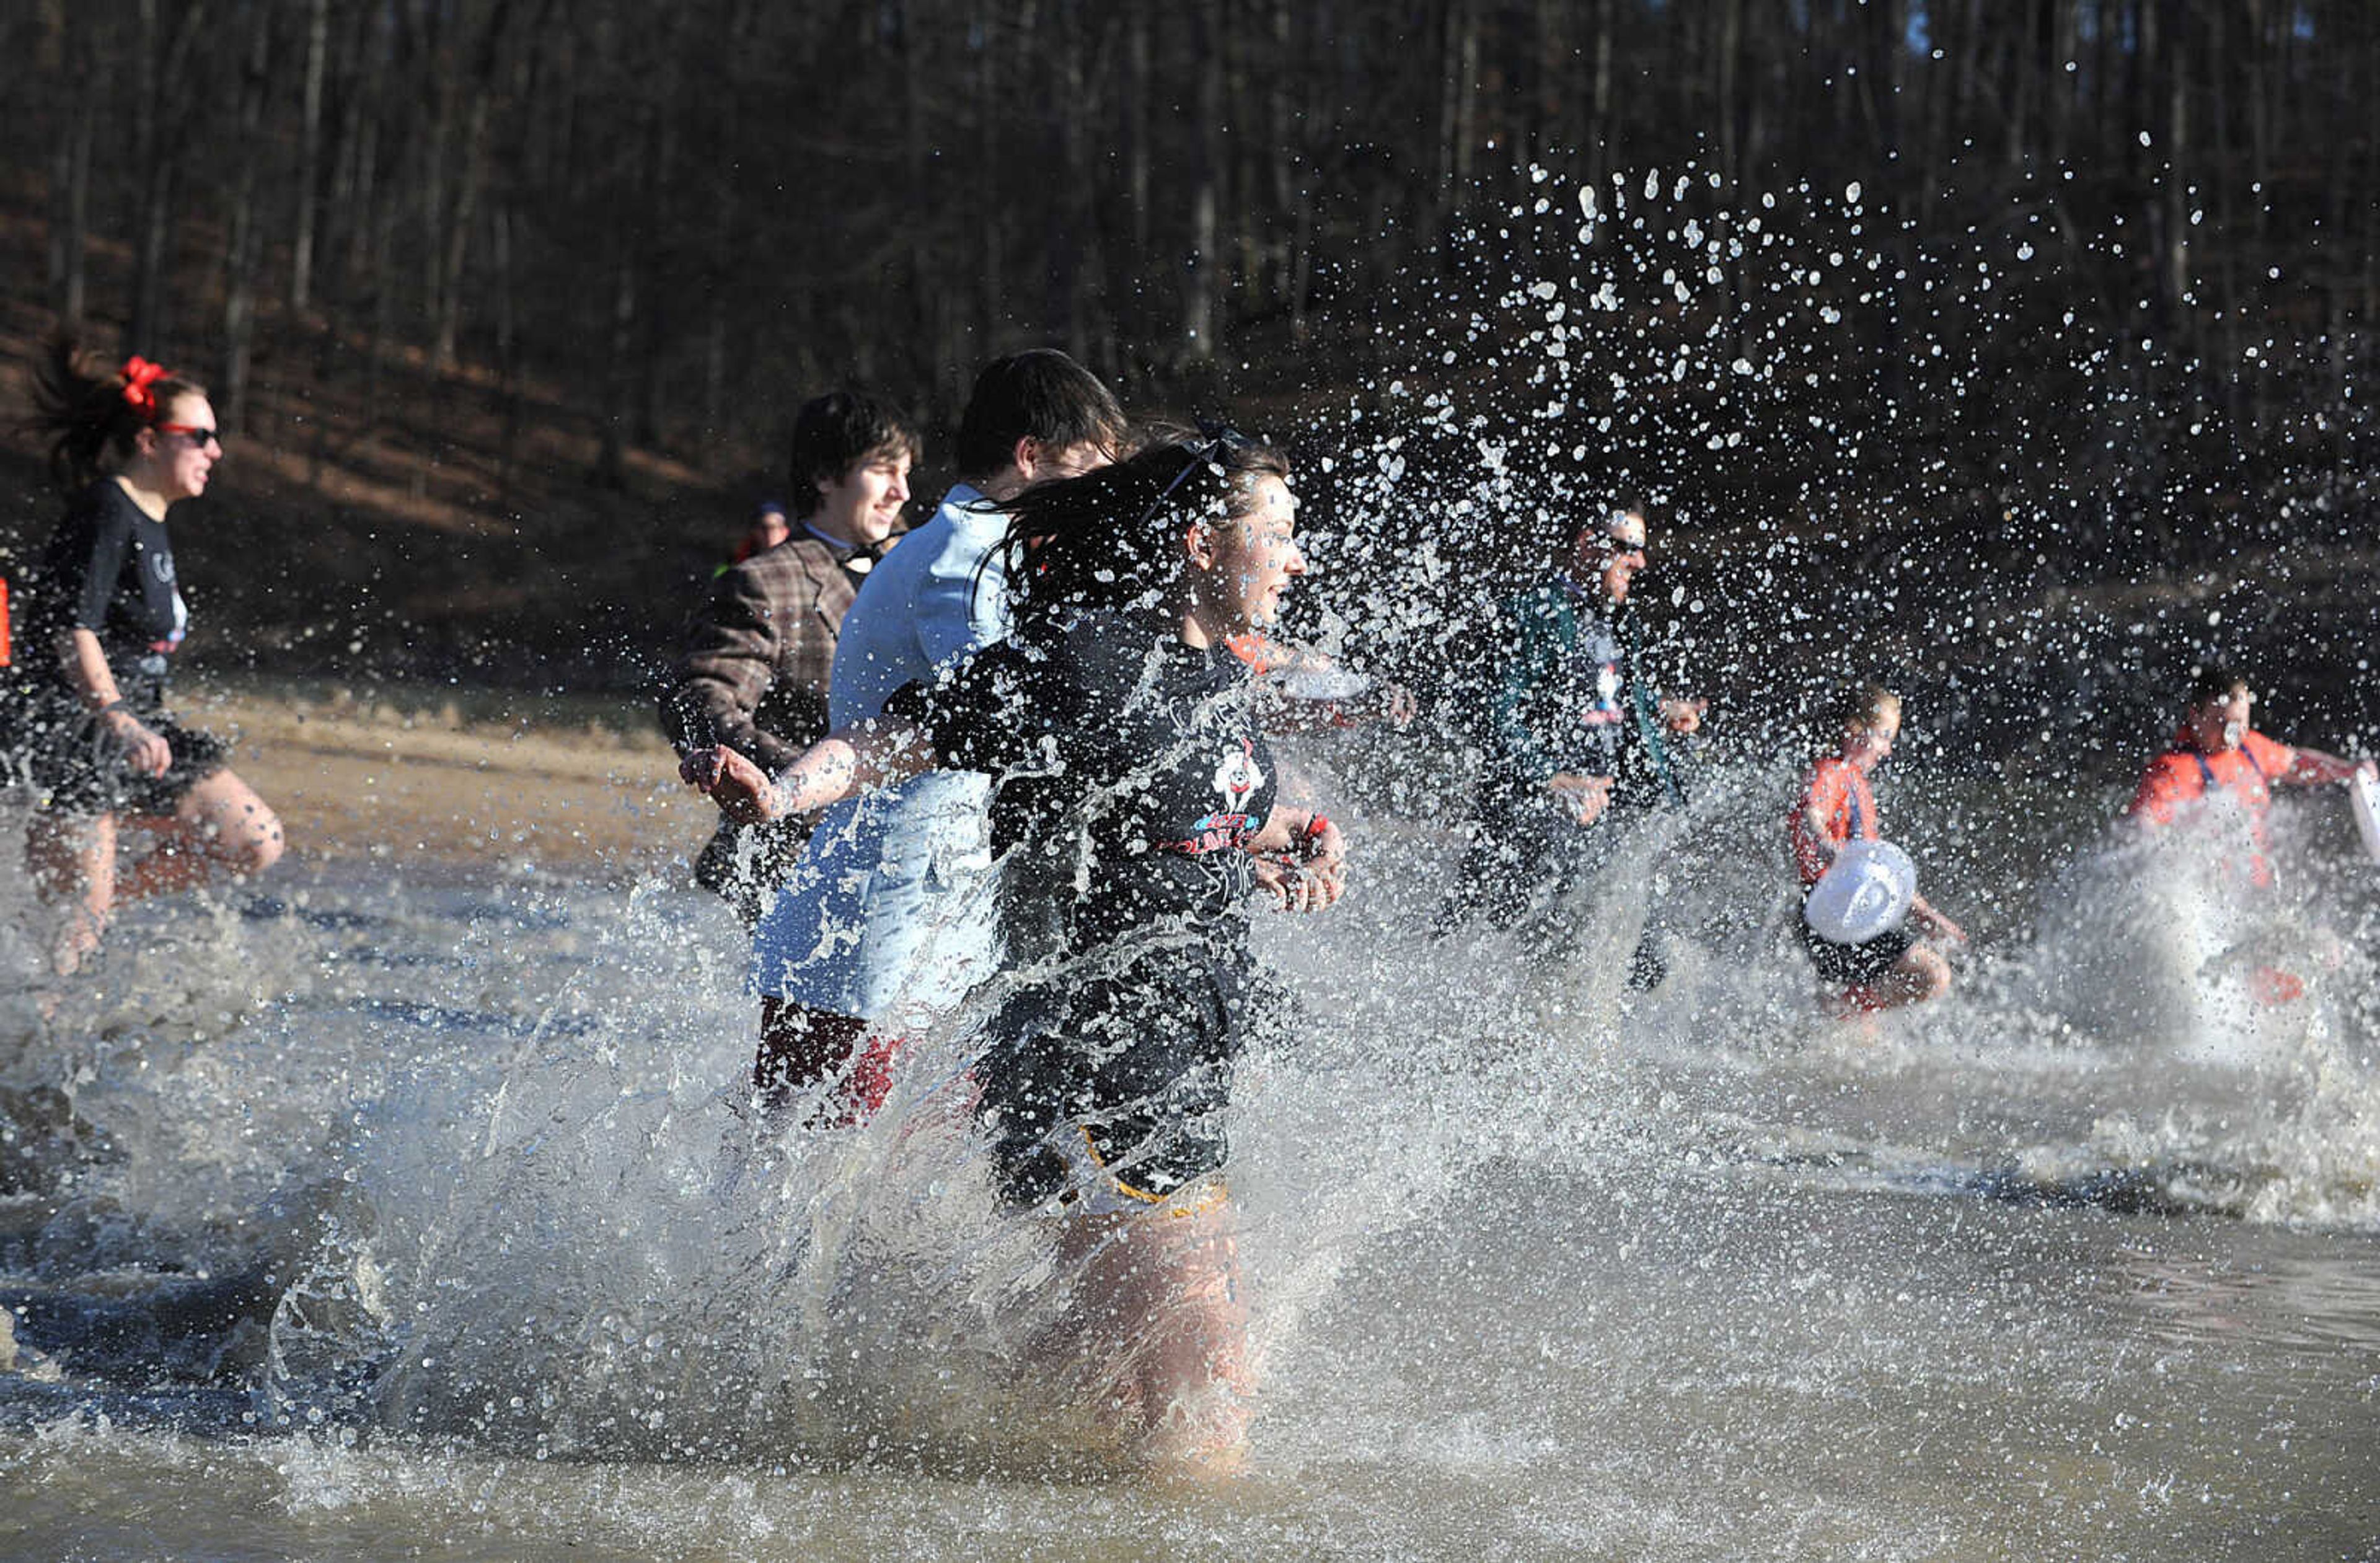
(100, 620)
(1136, 812)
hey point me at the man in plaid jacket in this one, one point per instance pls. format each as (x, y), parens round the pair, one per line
(755, 669)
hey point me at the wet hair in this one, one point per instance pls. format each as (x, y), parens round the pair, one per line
(835, 433)
(2214, 684)
(1865, 706)
(1112, 539)
(90, 416)
(1042, 394)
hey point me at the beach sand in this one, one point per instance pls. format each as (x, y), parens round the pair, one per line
(375, 780)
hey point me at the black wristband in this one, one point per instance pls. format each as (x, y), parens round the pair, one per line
(119, 704)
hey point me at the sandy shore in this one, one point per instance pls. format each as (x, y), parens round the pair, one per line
(374, 780)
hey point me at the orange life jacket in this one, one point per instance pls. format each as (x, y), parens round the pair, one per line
(1842, 800)
(2185, 776)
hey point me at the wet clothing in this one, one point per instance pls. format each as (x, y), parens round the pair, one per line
(1571, 697)
(108, 569)
(753, 677)
(888, 915)
(1856, 966)
(2185, 776)
(1129, 773)
(1842, 798)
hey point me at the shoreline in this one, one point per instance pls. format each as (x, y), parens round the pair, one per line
(365, 781)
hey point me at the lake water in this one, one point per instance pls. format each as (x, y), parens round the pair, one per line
(412, 1212)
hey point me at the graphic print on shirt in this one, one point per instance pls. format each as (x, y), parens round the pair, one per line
(1237, 780)
(161, 570)
(1602, 650)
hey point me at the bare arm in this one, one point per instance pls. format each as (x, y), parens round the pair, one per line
(1933, 923)
(1814, 832)
(2312, 768)
(879, 754)
(87, 670)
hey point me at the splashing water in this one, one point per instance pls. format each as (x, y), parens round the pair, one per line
(400, 1211)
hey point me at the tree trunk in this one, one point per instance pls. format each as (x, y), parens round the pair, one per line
(463, 220)
(1198, 270)
(310, 157)
(70, 188)
(163, 73)
(240, 254)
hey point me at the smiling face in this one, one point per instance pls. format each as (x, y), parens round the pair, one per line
(176, 455)
(863, 506)
(1242, 568)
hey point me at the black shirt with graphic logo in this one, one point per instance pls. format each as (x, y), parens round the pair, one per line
(109, 569)
(1129, 772)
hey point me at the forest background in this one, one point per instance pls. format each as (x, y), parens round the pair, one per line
(2026, 340)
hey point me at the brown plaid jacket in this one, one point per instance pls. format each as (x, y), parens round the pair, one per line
(754, 673)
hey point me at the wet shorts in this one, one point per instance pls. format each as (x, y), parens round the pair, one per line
(1095, 1188)
(1855, 966)
(1111, 1094)
(75, 766)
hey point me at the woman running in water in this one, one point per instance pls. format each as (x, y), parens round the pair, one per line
(86, 718)
(1136, 810)
(1837, 808)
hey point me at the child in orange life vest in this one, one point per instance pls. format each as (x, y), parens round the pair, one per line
(2216, 755)
(1836, 807)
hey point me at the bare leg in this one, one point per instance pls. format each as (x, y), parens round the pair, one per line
(1919, 976)
(221, 829)
(72, 861)
(1160, 1293)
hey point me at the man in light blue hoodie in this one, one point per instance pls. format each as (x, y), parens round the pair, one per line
(888, 919)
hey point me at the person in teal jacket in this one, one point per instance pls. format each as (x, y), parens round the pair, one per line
(1579, 742)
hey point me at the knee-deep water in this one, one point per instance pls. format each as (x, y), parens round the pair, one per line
(383, 1213)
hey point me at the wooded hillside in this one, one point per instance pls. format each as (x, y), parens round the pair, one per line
(493, 288)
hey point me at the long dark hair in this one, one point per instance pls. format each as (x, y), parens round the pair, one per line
(1111, 539)
(89, 414)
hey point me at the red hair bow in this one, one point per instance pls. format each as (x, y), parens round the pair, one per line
(139, 374)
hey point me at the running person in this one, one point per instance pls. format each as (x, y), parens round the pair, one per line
(1576, 730)
(756, 660)
(886, 921)
(1837, 807)
(1135, 807)
(2216, 756)
(86, 716)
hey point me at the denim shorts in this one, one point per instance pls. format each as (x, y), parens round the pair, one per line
(889, 916)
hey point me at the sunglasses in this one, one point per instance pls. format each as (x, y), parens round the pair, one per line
(198, 433)
(1216, 438)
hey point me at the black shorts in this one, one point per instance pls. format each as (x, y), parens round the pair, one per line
(1855, 966)
(1134, 1068)
(76, 767)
